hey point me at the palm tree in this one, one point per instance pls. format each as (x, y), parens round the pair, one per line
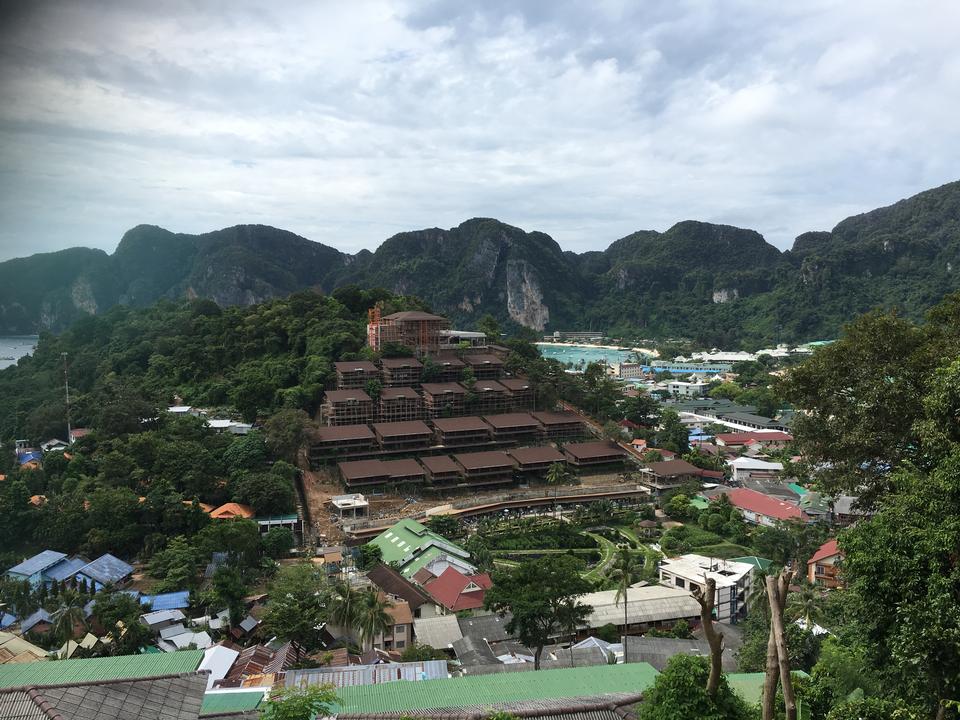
(805, 604)
(572, 614)
(372, 618)
(69, 615)
(625, 572)
(556, 476)
(757, 594)
(342, 605)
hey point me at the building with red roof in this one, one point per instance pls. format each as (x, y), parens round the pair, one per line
(774, 439)
(823, 567)
(456, 591)
(761, 509)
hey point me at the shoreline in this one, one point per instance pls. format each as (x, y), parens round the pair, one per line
(644, 351)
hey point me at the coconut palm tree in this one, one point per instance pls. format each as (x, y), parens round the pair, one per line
(572, 615)
(757, 594)
(343, 605)
(624, 572)
(806, 604)
(372, 618)
(69, 615)
(556, 476)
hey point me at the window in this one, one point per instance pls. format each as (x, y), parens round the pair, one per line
(399, 628)
(400, 644)
(821, 570)
(679, 582)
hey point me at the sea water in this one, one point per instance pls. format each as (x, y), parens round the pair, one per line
(575, 353)
(14, 347)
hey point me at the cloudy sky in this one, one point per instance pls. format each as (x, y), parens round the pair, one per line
(347, 122)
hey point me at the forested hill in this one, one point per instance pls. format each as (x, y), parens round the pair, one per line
(715, 284)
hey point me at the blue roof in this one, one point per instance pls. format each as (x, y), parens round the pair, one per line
(6, 620)
(37, 563)
(167, 601)
(27, 457)
(106, 569)
(40, 615)
(64, 569)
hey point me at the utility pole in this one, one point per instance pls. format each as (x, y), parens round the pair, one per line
(66, 387)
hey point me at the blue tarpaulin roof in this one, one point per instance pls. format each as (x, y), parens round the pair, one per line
(37, 563)
(66, 568)
(106, 569)
(27, 457)
(167, 601)
(6, 620)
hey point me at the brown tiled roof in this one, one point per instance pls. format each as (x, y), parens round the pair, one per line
(482, 386)
(344, 395)
(439, 464)
(361, 469)
(556, 418)
(482, 359)
(483, 460)
(400, 613)
(399, 429)
(402, 468)
(516, 384)
(393, 583)
(510, 420)
(536, 455)
(401, 363)
(672, 468)
(450, 388)
(449, 361)
(412, 315)
(355, 366)
(460, 424)
(588, 450)
(341, 432)
(399, 392)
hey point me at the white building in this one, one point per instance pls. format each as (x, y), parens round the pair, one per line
(354, 505)
(646, 607)
(690, 572)
(687, 389)
(629, 370)
(747, 468)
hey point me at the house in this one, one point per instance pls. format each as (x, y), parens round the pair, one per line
(559, 426)
(106, 570)
(401, 372)
(746, 468)
(399, 403)
(14, 650)
(658, 651)
(647, 607)
(461, 431)
(456, 591)
(351, 506)
(38, 622)
(77, 433)
(770, 439)
(536, 460)
(327, 441)
(439, 632)
(823, 567)
(33, 569)
(346, 407)
(395, 585)
(687, 389)
(451, 368)
(485, 468)
(403, 436)
(521, 391)
(442, 472)
(588, 454)
(513, 427)
(661, 477)
(355, 374)
(410, 546)
(760, 509)
(179, 600)
(489, 396)
(733, 579)
(410, 328)
(54, 445)
(484, 366)
(443, 400)
(231, 510)
(380, 472)
(399, 633)
(751, 421)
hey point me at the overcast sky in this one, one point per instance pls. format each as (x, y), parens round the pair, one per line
(349, 121)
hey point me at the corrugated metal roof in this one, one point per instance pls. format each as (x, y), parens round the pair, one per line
(106, 569)
(487, 690)
(64, 569)
(107, 668)
(438, 632)
(368, 675)
(40, 561)
(644, 605)
(224, 702)
(167, 601)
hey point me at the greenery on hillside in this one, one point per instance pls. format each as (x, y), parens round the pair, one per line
(715, 285)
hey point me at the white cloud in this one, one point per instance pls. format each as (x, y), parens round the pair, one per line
(348, 122)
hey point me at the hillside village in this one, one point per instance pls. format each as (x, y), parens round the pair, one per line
(424, 482)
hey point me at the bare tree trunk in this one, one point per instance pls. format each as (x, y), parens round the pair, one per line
(769, 699)
(707, 602)
(536, 658)
(777, 591)
(626, 659)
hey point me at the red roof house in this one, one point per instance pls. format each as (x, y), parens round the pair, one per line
(456, 591)
(822, 567)
(763, 509)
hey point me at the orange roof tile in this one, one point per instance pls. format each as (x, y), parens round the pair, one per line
(232, 510)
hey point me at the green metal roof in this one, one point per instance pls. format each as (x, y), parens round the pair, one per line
(700, 503)
(484, 690)
(231, 702)
(276, 518)
(749, 686)
(107, 668)
(758, 562)
(798, 489)
(404, 539)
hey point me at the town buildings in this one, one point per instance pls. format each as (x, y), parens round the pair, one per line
(733, 579)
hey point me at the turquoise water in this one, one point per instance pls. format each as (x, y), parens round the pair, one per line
(15, 347)
(575, 353)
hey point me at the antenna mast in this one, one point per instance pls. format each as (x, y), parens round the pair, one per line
(66, 387)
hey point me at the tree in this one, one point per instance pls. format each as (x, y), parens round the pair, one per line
(229, 589)
(238, 537)
(489, 326)
(296, 609)
(415, 652)
(806, 605)
(625, 572)
(119, 614)
(268, 493)
(446, 525)
(175, 566)
(643, 409)
(612, 431)
(725, 391)
(707, 598)
(680, 692)
(246, 452)
(278, 542)
(284, 433)
(557, 475)
(343, 605)
(372, 618)
(69, 615)
(300, 703)
(678, 507)
(672, 434)
(537, 594)
(369, 556)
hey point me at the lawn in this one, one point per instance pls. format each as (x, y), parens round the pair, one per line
(607, 551)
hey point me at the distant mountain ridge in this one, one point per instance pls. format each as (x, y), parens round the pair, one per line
(716, 284)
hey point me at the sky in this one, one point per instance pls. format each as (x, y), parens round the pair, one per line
(347, 122)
